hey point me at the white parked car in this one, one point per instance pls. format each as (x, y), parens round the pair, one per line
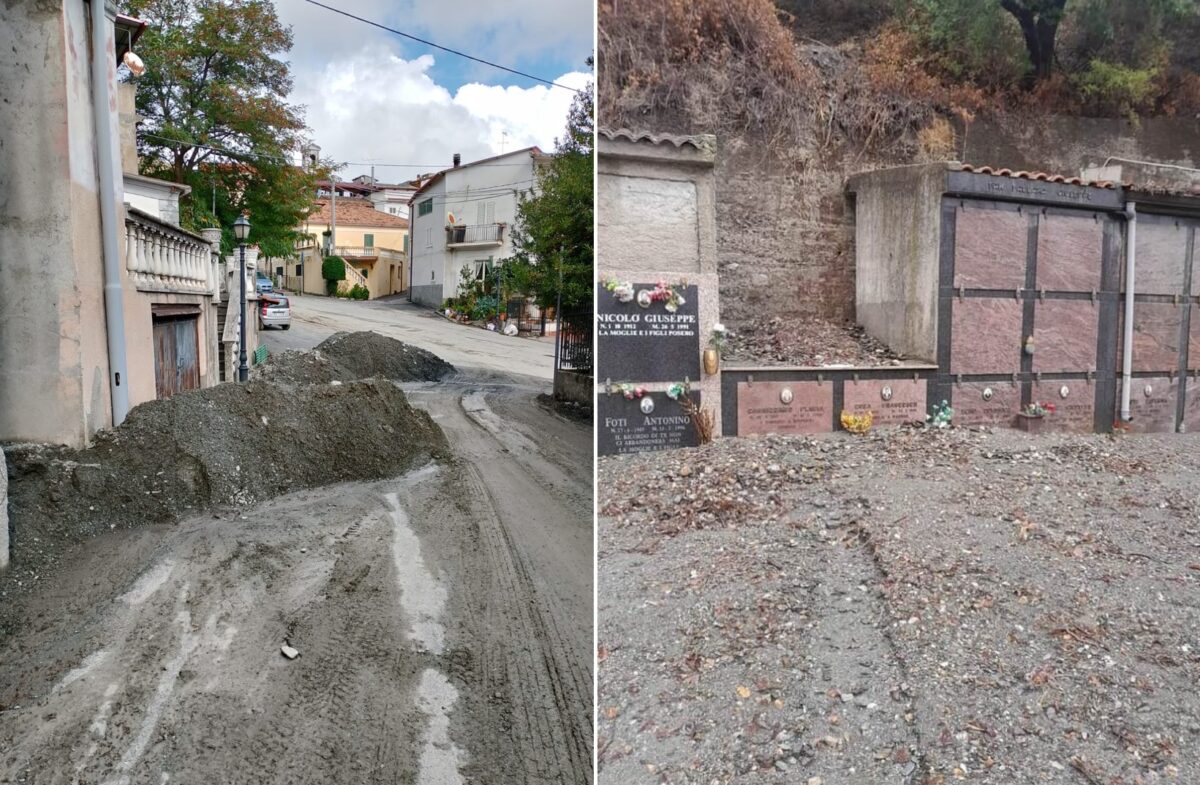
(274, 311)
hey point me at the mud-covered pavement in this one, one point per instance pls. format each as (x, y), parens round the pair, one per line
(442, 620)
(916, 608)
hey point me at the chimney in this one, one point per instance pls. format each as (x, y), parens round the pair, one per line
(457, 160)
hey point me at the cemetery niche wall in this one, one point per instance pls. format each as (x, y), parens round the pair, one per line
(1013, 286)
(657, 300)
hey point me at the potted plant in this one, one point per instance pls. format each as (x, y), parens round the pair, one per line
(1032, 418)
(716, 344)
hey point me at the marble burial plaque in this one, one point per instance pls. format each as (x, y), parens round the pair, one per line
(784, 407)
(986, 403)
(1194, 338)
(1151, 403)
(891, 401)
(1161, 258)
(647, 344)
(1156, 329)
(1073, 412)
(1070, 251)
(623, 425)
(989, 248)
(985, 335)
(1064, 335)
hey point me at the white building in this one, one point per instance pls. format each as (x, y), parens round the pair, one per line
(462, 217)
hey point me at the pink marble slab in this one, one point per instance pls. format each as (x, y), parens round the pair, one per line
(1156, 329)
(1064, 334)
(985, 335)
(1161, 254)
(891, 402)
(1194, 339)
(1152, 404)
(761, 408)
(1191, 407)
(1070, 251)
(989, 248)
(971, 408)
(1075, 412)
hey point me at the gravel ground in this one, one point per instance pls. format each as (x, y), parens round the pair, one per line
(906, 607)
(805, 341)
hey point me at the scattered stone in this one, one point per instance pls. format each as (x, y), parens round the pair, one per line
(289, 652)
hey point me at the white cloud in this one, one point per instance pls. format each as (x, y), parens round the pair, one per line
(531, 116)
(366, 103)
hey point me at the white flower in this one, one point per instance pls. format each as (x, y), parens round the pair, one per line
(718, 328)
(672, 307)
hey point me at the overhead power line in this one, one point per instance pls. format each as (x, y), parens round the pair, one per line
(169, 140)
(445, 48)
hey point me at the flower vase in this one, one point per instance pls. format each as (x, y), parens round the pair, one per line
(1030, 423)
(712, 361)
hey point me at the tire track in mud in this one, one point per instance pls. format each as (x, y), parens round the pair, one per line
(550, 716)
(317, 736)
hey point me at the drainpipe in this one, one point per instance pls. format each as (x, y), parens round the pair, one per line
(103, 16)
(1130, 271)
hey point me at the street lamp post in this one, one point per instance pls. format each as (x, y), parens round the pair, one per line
(241, 230)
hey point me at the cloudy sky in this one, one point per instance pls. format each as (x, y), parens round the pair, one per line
(374, 97)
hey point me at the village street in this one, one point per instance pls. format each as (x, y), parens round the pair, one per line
(315, 318)
(442, 618)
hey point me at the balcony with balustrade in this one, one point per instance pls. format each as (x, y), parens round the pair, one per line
(475, 236)
(161, 257)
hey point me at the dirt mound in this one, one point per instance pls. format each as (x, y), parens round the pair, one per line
(226, 445)
(358, 355)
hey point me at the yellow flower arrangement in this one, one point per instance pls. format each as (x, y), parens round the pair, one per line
(857, 423)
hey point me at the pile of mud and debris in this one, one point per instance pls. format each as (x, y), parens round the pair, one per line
(358, 355)
(226, 446)
(913, 606)
(806, 341)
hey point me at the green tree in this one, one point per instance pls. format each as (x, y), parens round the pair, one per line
(213, 99)
(552, 239)
(1039, 21)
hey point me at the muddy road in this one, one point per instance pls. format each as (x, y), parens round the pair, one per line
(442, 619)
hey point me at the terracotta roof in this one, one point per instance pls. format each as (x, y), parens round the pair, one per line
(355, 212)
(700, 141)
(1043, 176)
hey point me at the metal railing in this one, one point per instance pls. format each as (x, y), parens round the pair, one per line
(575, 342)
(475, 234)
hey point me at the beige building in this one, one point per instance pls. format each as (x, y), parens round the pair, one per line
(105, 302)
(373, 243)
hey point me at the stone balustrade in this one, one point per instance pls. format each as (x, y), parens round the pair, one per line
(163, 257)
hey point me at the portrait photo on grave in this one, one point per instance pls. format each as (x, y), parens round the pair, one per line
(897, 368)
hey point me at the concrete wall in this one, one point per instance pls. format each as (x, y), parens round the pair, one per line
(573, 386)
(897, 228)
(658, 178)
(53, 357)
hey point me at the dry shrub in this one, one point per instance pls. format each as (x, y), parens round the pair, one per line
(700, 66)
(937, 140)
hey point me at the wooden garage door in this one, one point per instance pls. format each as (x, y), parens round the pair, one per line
(176, 355)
